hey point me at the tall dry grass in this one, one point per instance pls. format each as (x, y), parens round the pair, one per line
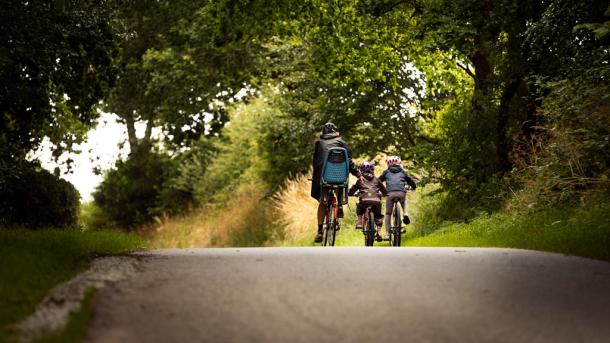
(295, 211)
(244, 220)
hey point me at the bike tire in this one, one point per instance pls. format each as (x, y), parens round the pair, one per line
(333, 233)
(396, 227)
(369, 234)
(328, 224)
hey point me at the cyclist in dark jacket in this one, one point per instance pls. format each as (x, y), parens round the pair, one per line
(370, 190)
(329, 139)
(396, 179)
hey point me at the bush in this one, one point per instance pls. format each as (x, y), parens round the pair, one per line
(34, 198)
(129, 194)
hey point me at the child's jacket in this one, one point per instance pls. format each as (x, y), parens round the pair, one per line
(396, 177)
(370, 189)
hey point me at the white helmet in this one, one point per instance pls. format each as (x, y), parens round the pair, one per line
(393, 160)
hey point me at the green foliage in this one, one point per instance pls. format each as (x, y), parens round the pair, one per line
(55, 68)
(92, 217)
(35, 261)
(240, 157)
(569, 229)
(34, 198)
(129, 194)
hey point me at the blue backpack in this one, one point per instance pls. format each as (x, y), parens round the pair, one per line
(335, 171)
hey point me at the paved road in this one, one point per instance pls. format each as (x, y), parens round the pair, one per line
(357, 295)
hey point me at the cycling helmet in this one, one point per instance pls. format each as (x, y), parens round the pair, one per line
(367, 167)
(393, 160)
(329, 128)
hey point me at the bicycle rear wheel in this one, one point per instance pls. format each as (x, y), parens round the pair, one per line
(331, 223)
(369, 230)
(395, 237)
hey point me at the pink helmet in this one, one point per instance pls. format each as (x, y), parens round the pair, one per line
(393, 160)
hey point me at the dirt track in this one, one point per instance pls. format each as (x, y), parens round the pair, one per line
(357, 295)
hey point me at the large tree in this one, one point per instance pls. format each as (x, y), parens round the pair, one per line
(55, 63)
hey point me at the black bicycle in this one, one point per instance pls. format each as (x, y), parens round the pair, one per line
(368, 219)
(396, 230)
(396, 224)
(331, 224)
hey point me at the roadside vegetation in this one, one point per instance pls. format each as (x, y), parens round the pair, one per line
(500, 112)
(35, 261)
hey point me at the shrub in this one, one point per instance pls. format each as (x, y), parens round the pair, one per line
(129, 194)
(34, 198)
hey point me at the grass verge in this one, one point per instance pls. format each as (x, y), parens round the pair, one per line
(77, 325)
(582, 231)
(34, 261)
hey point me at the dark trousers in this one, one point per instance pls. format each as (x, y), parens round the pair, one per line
(375, 207)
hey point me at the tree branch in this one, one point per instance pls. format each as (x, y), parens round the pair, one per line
(466, 69)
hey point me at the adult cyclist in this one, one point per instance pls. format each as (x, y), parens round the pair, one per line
(329, 138)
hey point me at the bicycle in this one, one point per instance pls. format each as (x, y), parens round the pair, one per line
(396, 224)
(369, 230)
(334, 177)
(396, 229)
(331, 223)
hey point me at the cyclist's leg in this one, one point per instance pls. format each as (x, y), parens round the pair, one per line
(360, 208)
(388, 211)
(321, 213)
(403, 204)
(378, 218)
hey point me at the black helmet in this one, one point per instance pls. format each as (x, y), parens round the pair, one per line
(329, 128)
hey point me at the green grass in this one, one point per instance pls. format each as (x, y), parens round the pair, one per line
(582, 231)
(77, 325)
(34, 261)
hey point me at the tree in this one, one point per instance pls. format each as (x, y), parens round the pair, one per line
(55, 65)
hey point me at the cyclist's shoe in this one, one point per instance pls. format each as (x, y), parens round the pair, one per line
(318, 238)
(338, 227)
(406, 220)
(378, 237)
(402, 230)
(340, 212)
(386, 237)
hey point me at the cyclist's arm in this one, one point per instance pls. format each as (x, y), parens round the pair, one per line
(354, 188)
(383, 176)
(315, 154)
(382, 189)
(410, 181)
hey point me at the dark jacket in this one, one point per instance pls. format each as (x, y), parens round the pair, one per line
(327, 141)
(395, 178)
(369, 187)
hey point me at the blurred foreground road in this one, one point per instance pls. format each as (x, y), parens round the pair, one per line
(356, 295)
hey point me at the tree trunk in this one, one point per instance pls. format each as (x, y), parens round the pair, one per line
(503, 144)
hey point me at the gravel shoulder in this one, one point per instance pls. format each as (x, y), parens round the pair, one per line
(356, 295)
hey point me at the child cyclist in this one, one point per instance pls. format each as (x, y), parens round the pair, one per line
(370, 190)
(395, 178)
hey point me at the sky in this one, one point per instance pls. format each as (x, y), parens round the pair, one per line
(102, 142)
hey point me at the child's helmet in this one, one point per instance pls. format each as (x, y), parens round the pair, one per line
(393, 160)
(367, 167)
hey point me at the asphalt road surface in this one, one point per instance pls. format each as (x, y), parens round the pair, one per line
(356, 295)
